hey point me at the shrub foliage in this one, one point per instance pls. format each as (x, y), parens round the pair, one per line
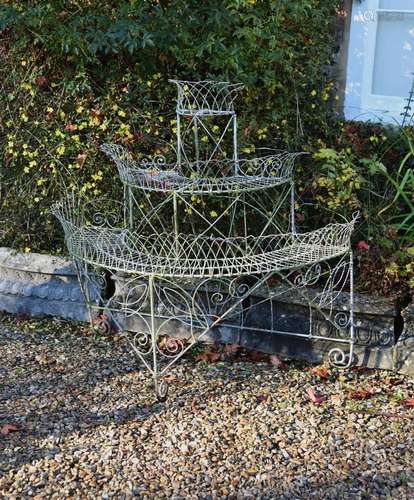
(75, 74)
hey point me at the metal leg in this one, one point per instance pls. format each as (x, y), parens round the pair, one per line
(235, 148)
(292, 207)
(196, 142)
(179, 146)
(131, 218)
(160, 386)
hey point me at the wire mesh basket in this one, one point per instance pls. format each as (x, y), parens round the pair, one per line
(206, 97)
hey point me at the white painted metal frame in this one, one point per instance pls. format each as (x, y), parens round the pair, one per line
(206, 277)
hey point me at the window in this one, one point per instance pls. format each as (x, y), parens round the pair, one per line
(385, 35)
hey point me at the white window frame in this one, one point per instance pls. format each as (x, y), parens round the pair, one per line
(393, 106)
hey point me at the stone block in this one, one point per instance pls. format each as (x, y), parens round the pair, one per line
(37, 285)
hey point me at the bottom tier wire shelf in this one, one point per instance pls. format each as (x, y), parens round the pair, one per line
(200, 283)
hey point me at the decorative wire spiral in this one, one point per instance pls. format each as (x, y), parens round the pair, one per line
(338, 358)
(170, 347)
(342, 319)
(142, 343)
(310, 277)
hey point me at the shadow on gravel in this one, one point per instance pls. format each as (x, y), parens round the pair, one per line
(54, 400)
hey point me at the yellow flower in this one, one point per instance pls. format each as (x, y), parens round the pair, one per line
(213, 214)
(23, 62)
(98, 176)
(61, 150)
(27, 249)
(49, 109)
(94, 121)
(313, 93)
(121, 113)
(79, 109)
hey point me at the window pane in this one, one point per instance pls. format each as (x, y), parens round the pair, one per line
(397, 4)
(394, 55)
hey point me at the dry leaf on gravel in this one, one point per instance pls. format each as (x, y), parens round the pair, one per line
(336, 399)
(9, 428)
(321, 371)
(276, 361)
(316, 399)
(231, 348)
(208, 356)
(361, 394)
(408, 402)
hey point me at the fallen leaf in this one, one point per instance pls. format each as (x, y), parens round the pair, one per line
(408, 402)
(257, 356)
(9, 428)
(316, 399)
(336, 399)
(394, 381)
(276, 361)
(208, 356)
(171, 378)
(231, 348)
(321, 372)
(361, 394)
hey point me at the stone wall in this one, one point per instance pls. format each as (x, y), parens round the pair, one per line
(42, 285)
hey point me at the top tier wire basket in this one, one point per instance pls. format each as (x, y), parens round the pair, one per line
(206, 97)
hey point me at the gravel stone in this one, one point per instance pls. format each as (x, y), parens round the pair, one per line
(91, 428)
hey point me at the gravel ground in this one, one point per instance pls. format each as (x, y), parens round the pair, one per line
(89, 426)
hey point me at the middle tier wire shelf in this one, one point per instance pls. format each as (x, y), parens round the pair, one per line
(203, 176)
(201, 244)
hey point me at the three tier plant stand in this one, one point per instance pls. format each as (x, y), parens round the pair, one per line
(199, 233)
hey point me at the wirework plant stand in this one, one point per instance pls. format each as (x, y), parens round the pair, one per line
(195, 239)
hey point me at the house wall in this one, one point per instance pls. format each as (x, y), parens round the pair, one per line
(359, 103)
